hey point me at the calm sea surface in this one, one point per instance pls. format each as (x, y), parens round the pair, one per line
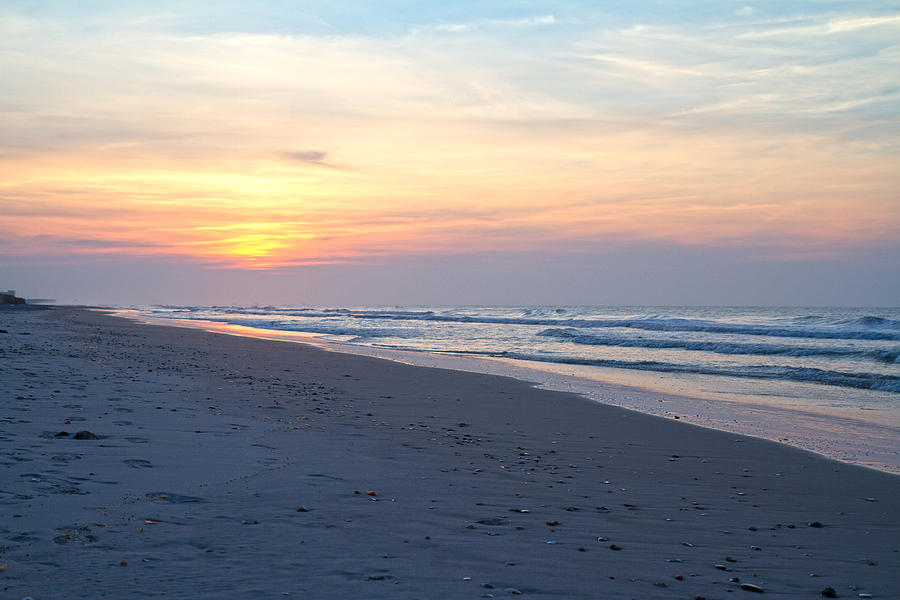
(832, 373)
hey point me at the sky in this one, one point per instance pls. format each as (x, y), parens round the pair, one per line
(414, 152)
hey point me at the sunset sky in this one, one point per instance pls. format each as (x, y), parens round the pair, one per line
(524, 152)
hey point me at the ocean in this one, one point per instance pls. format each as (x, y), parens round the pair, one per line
(823, 379)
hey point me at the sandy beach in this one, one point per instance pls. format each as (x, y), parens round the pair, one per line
(143, 461)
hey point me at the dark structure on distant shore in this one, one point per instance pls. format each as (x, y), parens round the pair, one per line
(9, 297)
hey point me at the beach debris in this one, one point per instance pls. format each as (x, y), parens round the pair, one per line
(581, 549)
(863, 595)
(829, 592)
(371, 493)
(123, 563)
(518, 510)
(871, 500)
(512, 591)
(749, 587)
(302, 509)
(552, 523)
(4, 566)
(614, 547)
(149, 522)
(62, 434)
(172, 498)
(85, 435)
(815, 524)
(720, 567)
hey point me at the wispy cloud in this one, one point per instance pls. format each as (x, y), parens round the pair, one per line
(317, 158)
(521, 22)
(492, 134)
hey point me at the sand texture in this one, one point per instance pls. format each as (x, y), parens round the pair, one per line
(229, 467)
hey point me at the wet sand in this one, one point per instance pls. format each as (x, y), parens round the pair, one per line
(232, 467)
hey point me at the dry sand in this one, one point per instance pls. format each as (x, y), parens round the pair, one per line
(231, 467)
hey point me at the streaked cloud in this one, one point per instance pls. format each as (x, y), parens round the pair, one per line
(506, 131)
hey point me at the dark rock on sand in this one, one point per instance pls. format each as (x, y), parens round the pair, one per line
(752, 588)
(85, 435)
(62, 434)
(829, 593)
(815, 524)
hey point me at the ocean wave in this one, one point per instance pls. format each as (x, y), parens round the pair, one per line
(890, 356)
(653, 323)
(876, 322)
(868, 327)
(867, 381)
